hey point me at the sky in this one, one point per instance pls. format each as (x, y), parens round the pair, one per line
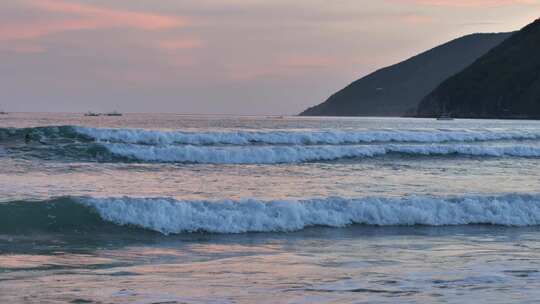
(219, 56)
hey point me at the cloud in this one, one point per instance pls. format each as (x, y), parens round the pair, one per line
(84, 17)
(112, 17)
(185, 55)
(24, 31)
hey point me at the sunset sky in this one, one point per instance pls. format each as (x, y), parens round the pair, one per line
(218, 56)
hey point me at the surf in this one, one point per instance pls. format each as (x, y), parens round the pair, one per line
(301, 154)
(300, 137)
(172, 216)
(271, 137)
(71, 143)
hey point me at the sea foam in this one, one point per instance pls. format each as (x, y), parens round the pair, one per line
(298, 137)
(297, 153)
(264, 147)
(169, 216)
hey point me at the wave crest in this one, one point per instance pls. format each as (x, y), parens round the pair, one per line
(329, 137)
(250, 147)
(298, 154)
(173, 216)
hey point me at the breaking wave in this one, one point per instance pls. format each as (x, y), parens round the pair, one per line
(331, 137)
(170, 216)
(261, 147)
(298, 154)
(272, 137)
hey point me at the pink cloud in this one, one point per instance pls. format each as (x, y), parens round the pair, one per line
(43, 28)
(111, 17)
(85, 17)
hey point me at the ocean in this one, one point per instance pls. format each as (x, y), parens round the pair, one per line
(164, 208)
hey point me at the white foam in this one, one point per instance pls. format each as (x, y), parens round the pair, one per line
(174, 216)
(330, 137)
(297, 154)
(241, 155)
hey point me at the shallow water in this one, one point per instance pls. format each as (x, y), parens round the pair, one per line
(336, 205)
(467, 264)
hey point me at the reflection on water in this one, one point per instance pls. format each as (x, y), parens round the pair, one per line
(99, 262)
(479, 264)
(23, 178)
(387, 177)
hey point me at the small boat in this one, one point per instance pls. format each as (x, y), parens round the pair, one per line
(91, 114)
(114, 113)
(445, 117)
(3, 113)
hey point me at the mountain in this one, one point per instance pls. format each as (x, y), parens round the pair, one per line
(504, 83)
(397, 90)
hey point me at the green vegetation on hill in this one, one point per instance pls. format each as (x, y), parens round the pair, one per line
(397, 90)
(504, 83)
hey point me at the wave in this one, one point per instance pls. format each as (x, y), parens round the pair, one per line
(62, 214)
(330, 137)
(173, 216)
(44, 134)
(298, 154)
(170, 216)
(246, 147)
(271, 137)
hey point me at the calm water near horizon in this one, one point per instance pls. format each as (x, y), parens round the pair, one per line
(164, 208)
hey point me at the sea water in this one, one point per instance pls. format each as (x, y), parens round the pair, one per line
(163, 208)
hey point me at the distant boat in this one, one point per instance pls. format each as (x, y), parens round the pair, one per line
(445, 117)
(3, 113)
(91, 114)
(114, 113)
